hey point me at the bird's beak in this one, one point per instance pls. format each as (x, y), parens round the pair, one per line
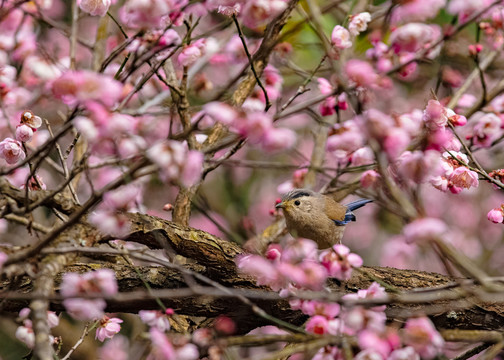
(280, 205)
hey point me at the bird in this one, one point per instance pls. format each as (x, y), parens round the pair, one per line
(316, 216)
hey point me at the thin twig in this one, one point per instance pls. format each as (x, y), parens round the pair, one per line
(251, 62)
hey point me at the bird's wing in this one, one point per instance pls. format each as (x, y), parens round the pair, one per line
(336, 212)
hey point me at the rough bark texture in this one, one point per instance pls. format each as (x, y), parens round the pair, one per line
(460, 305)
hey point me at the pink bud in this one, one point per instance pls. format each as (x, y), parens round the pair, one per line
(495, 215)
(24, 133)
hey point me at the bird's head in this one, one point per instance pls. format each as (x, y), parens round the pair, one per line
(298, 202)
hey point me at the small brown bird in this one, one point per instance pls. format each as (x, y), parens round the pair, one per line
(316, 216)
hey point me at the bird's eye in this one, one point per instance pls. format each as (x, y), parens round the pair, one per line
(297, 202)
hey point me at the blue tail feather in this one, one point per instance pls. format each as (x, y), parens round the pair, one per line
(349, 215)
(357, 204)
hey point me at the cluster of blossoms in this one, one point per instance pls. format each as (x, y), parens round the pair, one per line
(97, 283)
(298, 267)
(25, 332)
(12, 150)
(252, 123)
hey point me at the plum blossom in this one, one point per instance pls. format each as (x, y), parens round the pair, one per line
(24, 133)
(496, 215)
(464, 178)
(455, 176)
(155, 318)
(317, 325)
(340, 38)
(150, 14)
(359, 23)
(487, 129)
(11, 151)
(368, 355)
(163, 349)
(25, 332)
(423, 230)
(192, 52)
(416, 10)
(99, 282)
(95, 7)
(406, 353)
(419, 166)
(369, 178)
(421, 335)
(74, 87)
(258, 12)
(176, 162)
(114, 349)
(339, 262)
(360, 73)
(107, 328)
(413, 37)
(229, 10)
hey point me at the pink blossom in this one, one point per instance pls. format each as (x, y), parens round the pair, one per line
(220, 112)
(262, 270)
(420, 334)
(85, 309)
(26, 335)
(368, 355)
(108, 328)
(299, 250)
(413, 37)
(359, 318)
(375, 291)
(258, 12)
(77, 86)
(340, 38)
(115, 349)
(359, 23)
(382, 343)
(99, 282)
(362, 156)
(419, 166)
(486, 130)
(24, 133)
(416, 10)
(339, 262)
(464, 178)
(317, 325)
(12, 151)
(406, 353)
(360, 73)
(396, 141)
(324, 86)
(465, 8)
(162, 348)
(308, 274)
(229, 10)
(425, 229)
(496, 216)
(435, 115)
(254, 126)
(192, 52)
(149, 13)
(95, 7)
(110, 222)
(192, 168)
(369, 178)
(155, 318)
(314, 307)
(277, 139)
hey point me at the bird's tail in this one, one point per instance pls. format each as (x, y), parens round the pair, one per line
(357, 204)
